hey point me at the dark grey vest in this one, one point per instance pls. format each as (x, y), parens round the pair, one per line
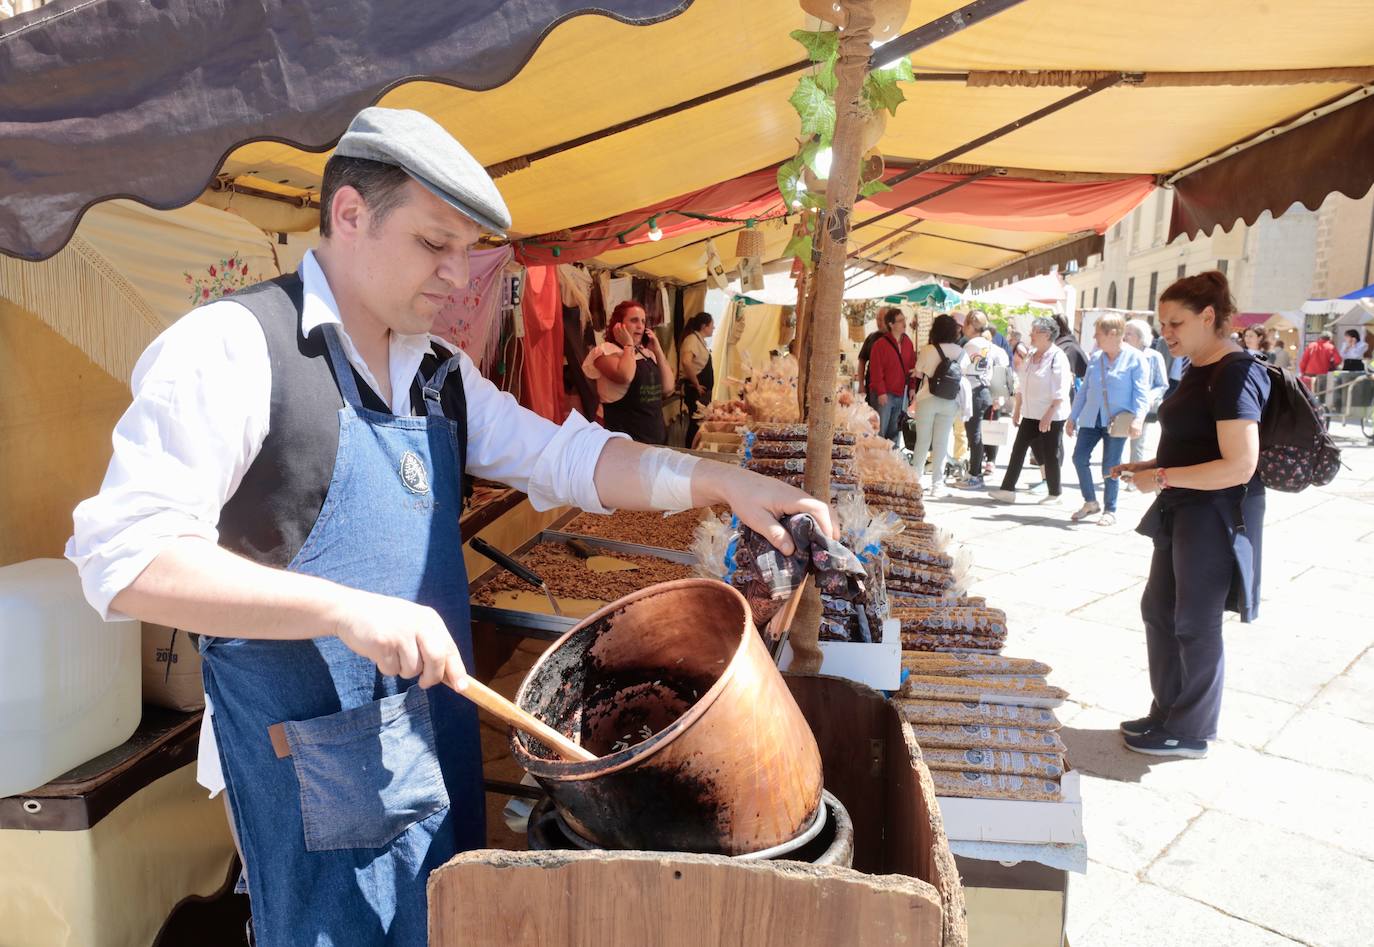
(275, 506)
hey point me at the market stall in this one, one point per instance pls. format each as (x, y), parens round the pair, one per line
(1031, 129)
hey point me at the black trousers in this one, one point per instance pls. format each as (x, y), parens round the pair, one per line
(973, 427)
(1190, 576)
(1047, 446)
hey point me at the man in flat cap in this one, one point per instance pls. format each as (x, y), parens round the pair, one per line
(287, 483)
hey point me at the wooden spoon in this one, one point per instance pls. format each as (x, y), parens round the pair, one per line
(494, 703)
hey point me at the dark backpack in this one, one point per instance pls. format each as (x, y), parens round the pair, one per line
(944, 382)
(1296, 451)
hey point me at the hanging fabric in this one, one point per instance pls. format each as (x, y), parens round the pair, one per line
(470, 319)
(542, 370)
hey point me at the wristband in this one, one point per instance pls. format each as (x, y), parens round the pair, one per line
(1162, 478)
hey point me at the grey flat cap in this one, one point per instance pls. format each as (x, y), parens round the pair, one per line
(422, 148)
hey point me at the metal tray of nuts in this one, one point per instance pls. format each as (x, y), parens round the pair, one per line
(541, 625)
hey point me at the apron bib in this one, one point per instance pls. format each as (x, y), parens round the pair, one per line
(640, 413)
(384, 780)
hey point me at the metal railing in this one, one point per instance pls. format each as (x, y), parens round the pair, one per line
(1345, 395)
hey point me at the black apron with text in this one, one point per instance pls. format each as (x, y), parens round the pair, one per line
(640, 413)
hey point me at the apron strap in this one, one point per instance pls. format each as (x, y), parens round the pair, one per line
(435, 385)
(343, 370)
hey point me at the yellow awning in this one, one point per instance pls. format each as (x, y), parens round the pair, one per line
(591, 73)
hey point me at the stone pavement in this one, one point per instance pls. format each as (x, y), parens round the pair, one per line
(1270, 839)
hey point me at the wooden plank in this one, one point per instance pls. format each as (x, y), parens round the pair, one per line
(631, 899)
(848, 721)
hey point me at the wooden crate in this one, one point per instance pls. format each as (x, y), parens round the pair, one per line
(904, 887)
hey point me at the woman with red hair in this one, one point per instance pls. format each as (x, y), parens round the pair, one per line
(631, 374)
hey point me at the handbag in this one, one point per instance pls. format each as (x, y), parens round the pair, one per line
(1120, 424)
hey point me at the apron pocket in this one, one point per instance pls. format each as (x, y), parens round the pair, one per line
(367, 774)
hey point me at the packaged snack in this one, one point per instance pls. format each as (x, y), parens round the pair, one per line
(995, 786)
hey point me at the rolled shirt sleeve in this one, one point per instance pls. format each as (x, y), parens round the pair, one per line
(553, 464)
(180, 449)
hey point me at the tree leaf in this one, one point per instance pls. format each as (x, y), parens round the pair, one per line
(882, 93)
(808, 154)
(821, 45)
(873, 187)
(817, 110)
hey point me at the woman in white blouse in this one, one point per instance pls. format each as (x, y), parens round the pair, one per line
(631, 375)
(1041, 408)
(1139, 336)
(1353, 351)
(694, 368)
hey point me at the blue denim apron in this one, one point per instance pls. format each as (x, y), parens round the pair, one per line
(383, 783)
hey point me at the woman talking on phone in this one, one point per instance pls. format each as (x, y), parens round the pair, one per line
(1207, 520)
(631, 374)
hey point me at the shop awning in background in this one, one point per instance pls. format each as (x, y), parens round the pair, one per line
(133, 99)
(589, 129)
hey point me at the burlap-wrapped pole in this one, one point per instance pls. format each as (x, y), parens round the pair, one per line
(824, 330)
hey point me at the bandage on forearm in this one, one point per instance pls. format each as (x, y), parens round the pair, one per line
(665, 476)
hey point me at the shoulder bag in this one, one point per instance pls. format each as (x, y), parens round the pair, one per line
(1120, 424)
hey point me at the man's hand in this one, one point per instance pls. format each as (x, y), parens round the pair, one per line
(882, 401)
(403, 639)
(760, 502)
(1069, 428)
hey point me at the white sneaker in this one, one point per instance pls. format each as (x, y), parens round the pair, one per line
(1053, 501)
(1003, 496)
(1107, 519)
(1087, 509)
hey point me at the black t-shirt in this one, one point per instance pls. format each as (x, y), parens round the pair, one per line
(1230, 389)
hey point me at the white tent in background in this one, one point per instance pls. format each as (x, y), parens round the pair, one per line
(1046, 291)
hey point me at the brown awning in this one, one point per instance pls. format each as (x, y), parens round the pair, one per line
(125, 98)
(1034, 264)
(1334, 153)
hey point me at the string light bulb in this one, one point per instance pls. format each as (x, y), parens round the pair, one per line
(654, 233)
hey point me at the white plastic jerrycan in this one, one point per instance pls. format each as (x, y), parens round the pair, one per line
(70, 686)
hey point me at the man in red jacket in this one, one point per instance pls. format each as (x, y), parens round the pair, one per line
(1319, 358)
(891, 362)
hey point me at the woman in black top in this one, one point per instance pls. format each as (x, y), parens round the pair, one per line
(1207, 521)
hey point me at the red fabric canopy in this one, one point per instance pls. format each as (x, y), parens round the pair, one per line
(993, 202)
(753, 195)
(1017, 203)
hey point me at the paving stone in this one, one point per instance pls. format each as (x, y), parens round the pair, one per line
(1315, 736)
(1251, 720)
(1149, 916)
(1282, 666)
(1326, 805)
(1094, 894)
(1128, 826)
(1352, 693)
(1279, 880)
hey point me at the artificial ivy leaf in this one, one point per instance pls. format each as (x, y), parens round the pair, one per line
(873, 187)
(789, 179)
(820, 46)
(799, 247)
(882, 93)
(899, 71)
(825, 77)
(817, 110)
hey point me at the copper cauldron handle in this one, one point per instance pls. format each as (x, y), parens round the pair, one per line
(489, 700)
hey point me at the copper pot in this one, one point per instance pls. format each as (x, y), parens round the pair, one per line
(720, 758)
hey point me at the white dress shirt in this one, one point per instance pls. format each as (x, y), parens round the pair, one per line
(201, 408)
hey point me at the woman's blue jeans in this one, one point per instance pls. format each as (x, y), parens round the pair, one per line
(1112, 448)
